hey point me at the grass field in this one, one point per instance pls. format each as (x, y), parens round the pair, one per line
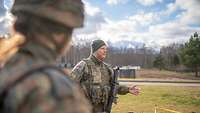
(182, 99)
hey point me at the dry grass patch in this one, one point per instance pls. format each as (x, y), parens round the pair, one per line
(163, 74)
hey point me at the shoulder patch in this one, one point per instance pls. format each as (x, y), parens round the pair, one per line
(80, 65)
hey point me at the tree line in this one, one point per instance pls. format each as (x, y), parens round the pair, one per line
(180, 57)
(174, 57)
(139, 56)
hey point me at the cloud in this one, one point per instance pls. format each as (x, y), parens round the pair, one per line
(170, 32)
(8, 4)
(177, 30)
(190, 13)
(2, 8)
(148, 2)
(145, 18)
(142, 28)
(117, 31)
(91, 10)
(171, 8)
(138, 29)
(142, 2)
(5, 19)
(130, 30)
(94, 19)
(115, 2)
(5, 23)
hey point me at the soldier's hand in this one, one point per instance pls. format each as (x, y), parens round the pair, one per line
(134, 90)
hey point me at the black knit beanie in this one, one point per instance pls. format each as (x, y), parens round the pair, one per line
(96, 44)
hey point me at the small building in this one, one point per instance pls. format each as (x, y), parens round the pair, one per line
(128, 71)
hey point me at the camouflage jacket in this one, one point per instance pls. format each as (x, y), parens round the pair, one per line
(27, 85)
(92, 73)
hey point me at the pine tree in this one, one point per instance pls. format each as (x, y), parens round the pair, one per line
(190, 53)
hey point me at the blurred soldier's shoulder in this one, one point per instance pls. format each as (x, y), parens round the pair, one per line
(45, 84)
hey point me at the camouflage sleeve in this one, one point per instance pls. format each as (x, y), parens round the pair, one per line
(34, 95)
(27, 95)
(78, 71)
(123, 90)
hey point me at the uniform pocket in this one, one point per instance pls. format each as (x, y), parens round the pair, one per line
(96, 95)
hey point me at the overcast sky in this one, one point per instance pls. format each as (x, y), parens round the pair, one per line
(155, 23)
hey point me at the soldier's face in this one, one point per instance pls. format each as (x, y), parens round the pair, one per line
(65, 41)
(101, 53)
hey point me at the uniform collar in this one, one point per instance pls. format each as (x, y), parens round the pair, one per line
(96, 60)
(39, 51)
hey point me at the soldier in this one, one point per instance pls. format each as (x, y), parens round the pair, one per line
(29, 82)
(95, 77)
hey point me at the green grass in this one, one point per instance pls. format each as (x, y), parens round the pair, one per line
(182, 99)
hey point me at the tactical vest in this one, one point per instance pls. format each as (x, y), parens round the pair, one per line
(95, 85)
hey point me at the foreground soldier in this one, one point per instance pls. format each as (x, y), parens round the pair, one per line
(28, 82)
(95, 77)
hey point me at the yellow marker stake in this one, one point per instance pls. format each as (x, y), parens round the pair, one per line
(172, 111)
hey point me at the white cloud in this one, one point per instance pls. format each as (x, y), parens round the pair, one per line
(145, 18)
(190, 14)
(170, 32)
(115, 2)
(94, 19)
(143, 2)
(6, 23)
(131, 29)
(127, 30)
(5, 19)
(8, 4)
(170, 8)
(148, 2)
(117, 31)
(91, 10)
(2, 9)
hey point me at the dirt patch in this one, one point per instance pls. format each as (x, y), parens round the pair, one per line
(154, 73)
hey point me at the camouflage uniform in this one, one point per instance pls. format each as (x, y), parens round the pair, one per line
(95, 77)
(29, 82)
